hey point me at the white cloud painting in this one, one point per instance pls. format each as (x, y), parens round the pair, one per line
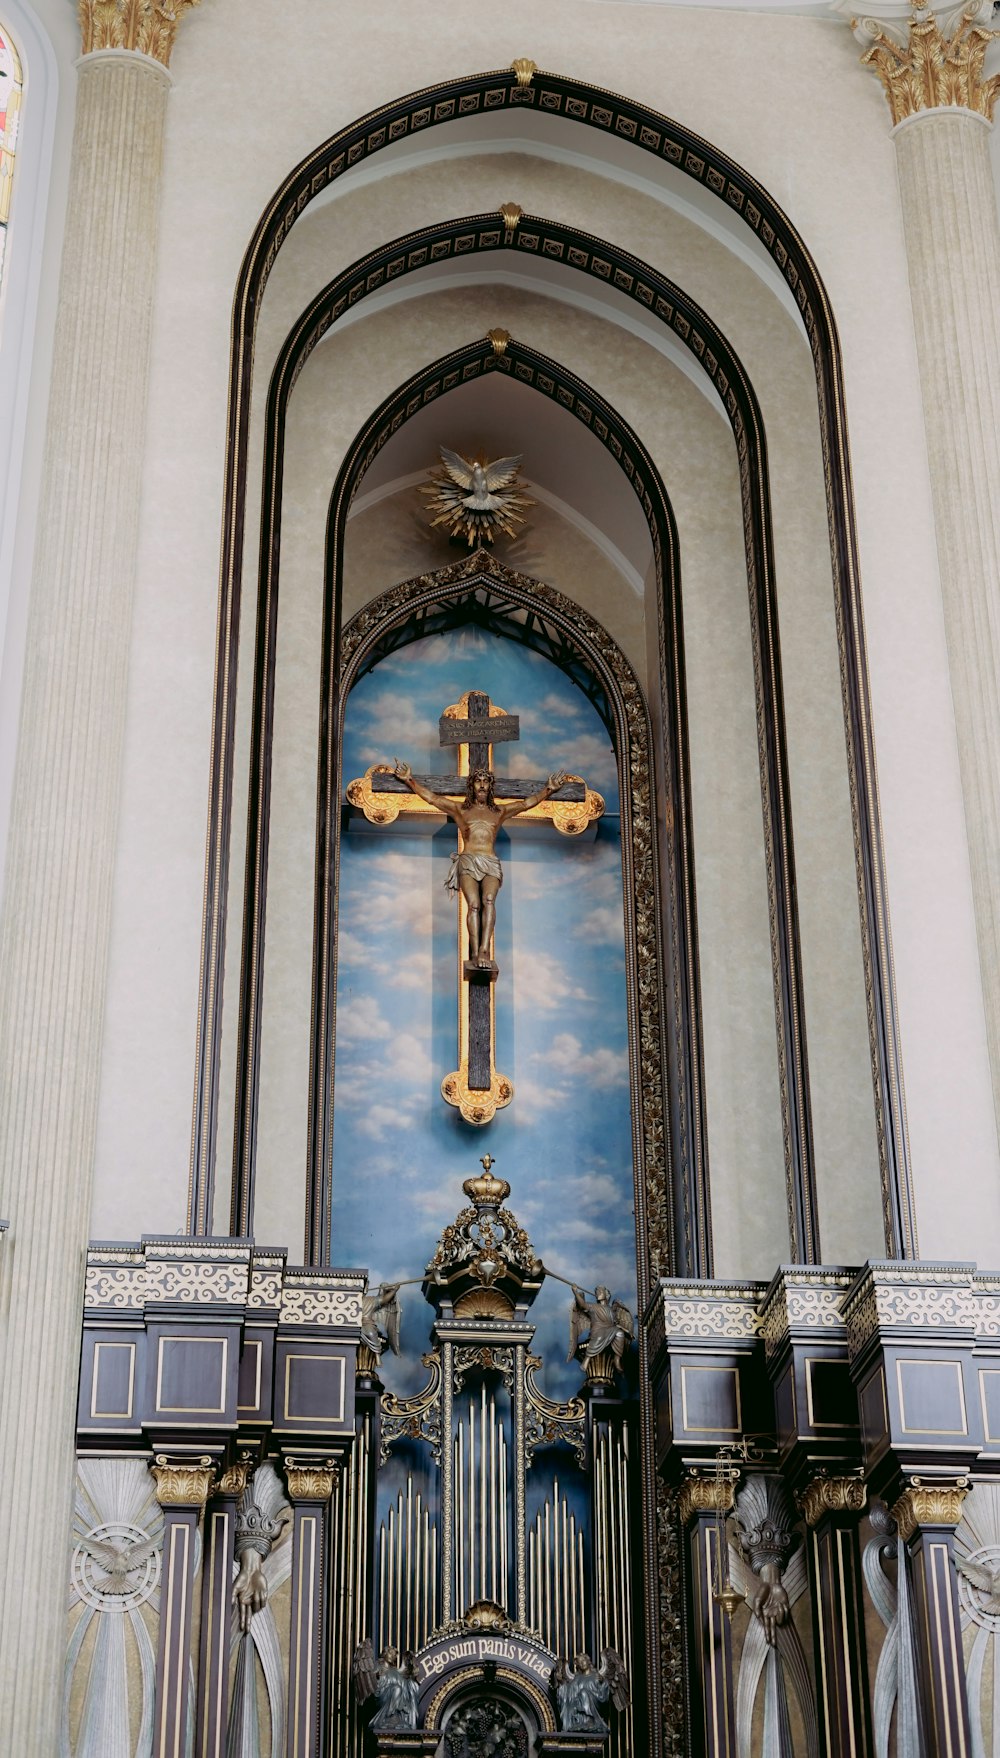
(564, 1144)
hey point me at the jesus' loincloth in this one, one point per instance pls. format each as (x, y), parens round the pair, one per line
(477, 867)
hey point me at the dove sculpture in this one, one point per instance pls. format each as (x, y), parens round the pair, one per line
(475, 498)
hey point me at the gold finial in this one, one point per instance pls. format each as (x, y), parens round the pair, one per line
(499, 341)
(523, 70)
(486, 1161)
(147, 26)
(511, 215)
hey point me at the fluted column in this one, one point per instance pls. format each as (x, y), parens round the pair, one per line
(54, 937)
(941, 104)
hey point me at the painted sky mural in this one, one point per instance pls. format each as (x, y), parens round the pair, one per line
(564, 1144)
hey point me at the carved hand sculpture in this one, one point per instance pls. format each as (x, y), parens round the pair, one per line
(770, 1602)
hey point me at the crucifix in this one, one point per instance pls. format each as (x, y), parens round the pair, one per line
(480, 803)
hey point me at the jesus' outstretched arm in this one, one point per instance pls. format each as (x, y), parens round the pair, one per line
(552, 786)
(451, 808)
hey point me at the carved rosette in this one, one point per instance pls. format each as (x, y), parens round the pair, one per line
(183, 1483)
(921, 68)
(311, 1480)
(832, 1495)
(147, 26)
(705, 1495)
(929, 1504)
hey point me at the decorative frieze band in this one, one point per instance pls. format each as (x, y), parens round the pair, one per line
(147, 26)
(803, 1299)
(183, 1272)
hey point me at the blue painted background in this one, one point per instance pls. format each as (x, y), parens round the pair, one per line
(564, 1144)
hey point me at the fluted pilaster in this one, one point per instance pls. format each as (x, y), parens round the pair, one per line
(934, 71)
(953, 249)
(54, 938)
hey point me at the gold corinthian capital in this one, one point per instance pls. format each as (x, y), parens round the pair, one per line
(922, 67)
(148, 26)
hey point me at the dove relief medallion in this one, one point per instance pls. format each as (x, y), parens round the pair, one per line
(116, 1567)
(979, 1585)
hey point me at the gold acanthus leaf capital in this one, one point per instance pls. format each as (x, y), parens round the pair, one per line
(832, 1495)
(927, 70)
(183, 1483)
(311, 1480)
(705, 1495)
(147, 26)
(234, 1480)
(929, 1504)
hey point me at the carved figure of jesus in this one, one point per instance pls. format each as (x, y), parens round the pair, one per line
(476, 870)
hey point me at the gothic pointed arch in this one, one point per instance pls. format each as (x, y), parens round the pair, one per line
(729, 380)
(721, 178)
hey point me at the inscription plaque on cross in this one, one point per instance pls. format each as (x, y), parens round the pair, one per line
(480, 803)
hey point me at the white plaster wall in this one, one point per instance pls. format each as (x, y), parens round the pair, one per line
(785, 97)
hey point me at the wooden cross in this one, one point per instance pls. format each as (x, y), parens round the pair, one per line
(472, 727)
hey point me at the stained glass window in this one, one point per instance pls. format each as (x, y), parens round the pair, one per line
(10, 105)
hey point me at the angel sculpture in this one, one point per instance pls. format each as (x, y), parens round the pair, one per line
(475, 498)
(606, 1322)
(581, 1687)
(386, 1304)
(985, 1580)
(392, 1679)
